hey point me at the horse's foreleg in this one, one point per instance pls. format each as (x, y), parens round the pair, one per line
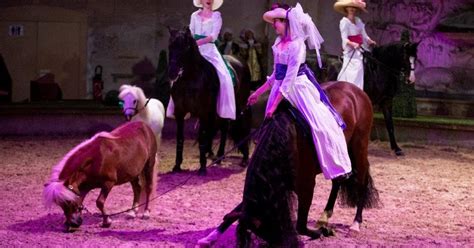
(203, 147)
(305, 188)
(104, 192)
(224, 127)
(136, 198)
(387, 115)
(328, 210)
(179, 144)
(229, 218)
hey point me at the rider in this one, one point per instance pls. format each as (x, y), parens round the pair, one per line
(353, 36)
(291, 80)
(205, 25)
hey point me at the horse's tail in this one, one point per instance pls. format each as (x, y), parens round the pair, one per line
(359, 191)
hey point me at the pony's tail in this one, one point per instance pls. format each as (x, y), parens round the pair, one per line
(354, 192)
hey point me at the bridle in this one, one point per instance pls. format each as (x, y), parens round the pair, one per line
(136, 110)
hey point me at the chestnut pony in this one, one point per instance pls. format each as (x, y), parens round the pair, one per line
(127, 154)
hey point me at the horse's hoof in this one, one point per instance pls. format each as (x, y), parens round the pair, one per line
(107, 223)
(327, 232)
(311, 233)
(146, 215)
(132, 214)
(244, 163)
(399, 152)
(202, 172)
(209, 240)
(355, 227)
(321, 224)
(177, 169)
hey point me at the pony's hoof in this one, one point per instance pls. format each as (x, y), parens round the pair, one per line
(146, 215)
(132, 214)
(202, 172)
(321, 224)
(177, 169)
(355, 227)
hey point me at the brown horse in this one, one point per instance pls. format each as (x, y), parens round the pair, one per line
(285, 162)
(127, 154)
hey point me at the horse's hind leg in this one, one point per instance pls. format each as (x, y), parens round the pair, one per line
(328, 210)
(179, 143)
(387, 115)
(305, 188)
(100, 202)
(224, 127)
(229, 218)
(136, 198)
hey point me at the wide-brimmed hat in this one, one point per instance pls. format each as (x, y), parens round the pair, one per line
(277, 13)
(341, 5)
(215, 5)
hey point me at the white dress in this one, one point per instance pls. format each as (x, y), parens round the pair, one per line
(328, 136)
(225, 97)
(352, 71)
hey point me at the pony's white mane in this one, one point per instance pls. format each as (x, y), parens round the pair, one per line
(137, 93)
(55, 191)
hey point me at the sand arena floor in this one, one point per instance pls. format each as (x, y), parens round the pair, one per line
(427, 199)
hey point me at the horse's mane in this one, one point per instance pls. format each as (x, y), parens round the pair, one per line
(55, 191)
(269, 183)
(137, 92)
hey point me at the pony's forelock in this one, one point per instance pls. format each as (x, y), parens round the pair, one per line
(57, 193)
(137, 92)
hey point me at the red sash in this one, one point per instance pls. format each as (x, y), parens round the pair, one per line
(356, 38)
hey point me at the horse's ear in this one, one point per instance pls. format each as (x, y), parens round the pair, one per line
(187, 30)
(172, 31)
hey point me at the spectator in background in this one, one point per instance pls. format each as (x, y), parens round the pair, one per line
(251, 51)
(227, 45)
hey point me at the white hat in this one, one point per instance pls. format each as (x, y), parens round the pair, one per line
(341, 5)
(215, 4)
(277, 13)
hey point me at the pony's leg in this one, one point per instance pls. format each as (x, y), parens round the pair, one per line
(328, 210)
(224, 127)
(100, 202)
(136, 198)
(149, 185)
(179, 143)
(387, 115)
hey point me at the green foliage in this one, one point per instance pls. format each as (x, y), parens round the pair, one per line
(404, 103)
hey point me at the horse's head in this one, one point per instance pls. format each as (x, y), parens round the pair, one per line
(132, 99)
(409, 60)
(182, 49)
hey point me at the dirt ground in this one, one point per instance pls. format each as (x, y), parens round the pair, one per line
(426, 195)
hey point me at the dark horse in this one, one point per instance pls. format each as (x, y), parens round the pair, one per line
(384, 68)
(285, 161)
(194, 89)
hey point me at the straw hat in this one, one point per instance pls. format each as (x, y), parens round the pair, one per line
(270, 15)
(341, 5)
(215, 4)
